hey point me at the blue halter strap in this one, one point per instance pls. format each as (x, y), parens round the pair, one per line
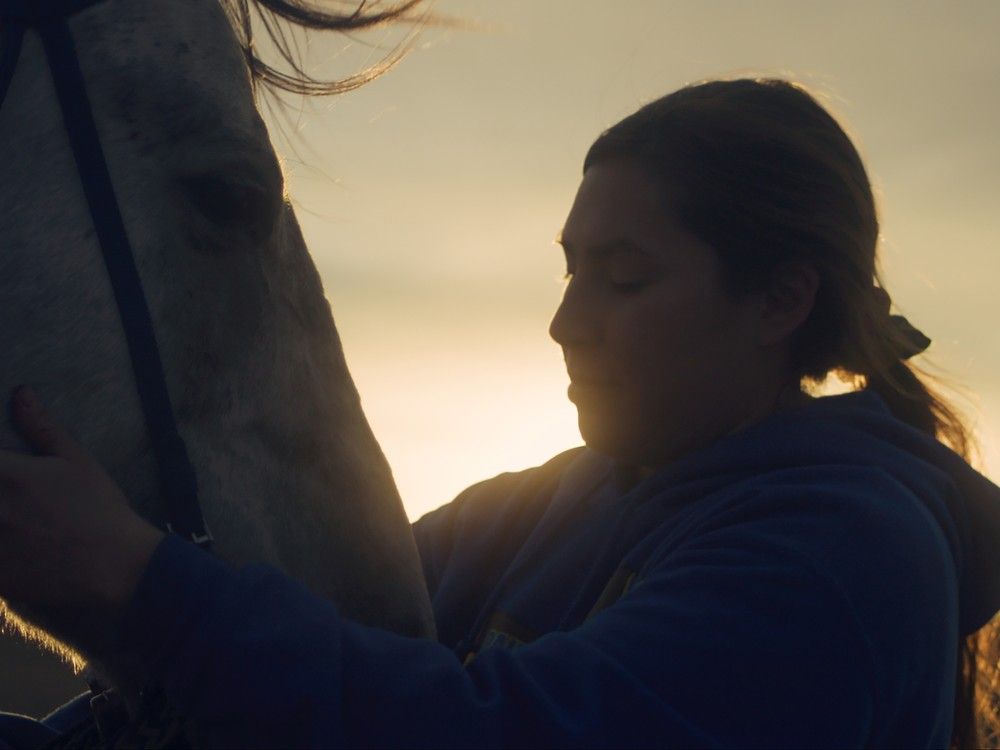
(49, 19)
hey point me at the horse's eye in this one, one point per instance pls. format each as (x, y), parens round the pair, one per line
(234, 204)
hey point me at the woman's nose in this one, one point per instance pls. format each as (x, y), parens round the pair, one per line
(574, 320)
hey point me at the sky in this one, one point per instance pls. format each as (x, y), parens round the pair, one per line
(430, 197)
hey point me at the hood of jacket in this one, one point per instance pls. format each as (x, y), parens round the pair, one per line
(857, 429)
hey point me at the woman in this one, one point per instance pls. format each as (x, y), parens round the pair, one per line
(729, 561)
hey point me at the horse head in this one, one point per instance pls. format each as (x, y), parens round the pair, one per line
(288, 470)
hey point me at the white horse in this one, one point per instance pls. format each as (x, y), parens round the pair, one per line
(289, 472)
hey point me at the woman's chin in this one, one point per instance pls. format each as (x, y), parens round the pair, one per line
(630, 440)
(610, 435)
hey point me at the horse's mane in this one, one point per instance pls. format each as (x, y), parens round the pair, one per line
(279, 19)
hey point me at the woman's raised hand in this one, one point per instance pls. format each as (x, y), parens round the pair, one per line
(69, 542)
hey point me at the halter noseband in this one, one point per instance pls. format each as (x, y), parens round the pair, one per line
(48, 18)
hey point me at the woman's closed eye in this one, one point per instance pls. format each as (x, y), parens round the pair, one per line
(623, 280)
(630, 275)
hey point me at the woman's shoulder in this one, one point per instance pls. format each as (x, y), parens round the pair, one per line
(820, 510)
(504, 492)
(492, 516)
(863, 529)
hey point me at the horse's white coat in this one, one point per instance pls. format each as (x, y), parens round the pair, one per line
(289, 471)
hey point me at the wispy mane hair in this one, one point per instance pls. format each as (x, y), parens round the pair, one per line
(279, 18)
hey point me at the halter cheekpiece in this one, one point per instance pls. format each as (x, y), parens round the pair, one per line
(48, 18)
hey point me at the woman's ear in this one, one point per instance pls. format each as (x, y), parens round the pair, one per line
(787, 302)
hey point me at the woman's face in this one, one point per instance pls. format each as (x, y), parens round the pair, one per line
(661, 359)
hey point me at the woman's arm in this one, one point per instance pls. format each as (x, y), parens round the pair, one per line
(720, 646)
(724, 642)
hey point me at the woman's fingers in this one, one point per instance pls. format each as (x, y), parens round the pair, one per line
(39, 430)
(68, 537)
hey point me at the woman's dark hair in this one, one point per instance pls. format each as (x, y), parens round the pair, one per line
(759, 170)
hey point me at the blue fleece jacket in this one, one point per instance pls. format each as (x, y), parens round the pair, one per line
(803, 582)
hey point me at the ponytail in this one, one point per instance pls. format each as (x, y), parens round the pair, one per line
(913, 400)
(878, 352)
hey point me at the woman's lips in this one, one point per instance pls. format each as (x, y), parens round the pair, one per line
(583, 389)
(590, 382)
(587, 380)
(587, 376)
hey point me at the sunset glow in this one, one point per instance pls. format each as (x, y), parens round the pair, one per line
(430, 197)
